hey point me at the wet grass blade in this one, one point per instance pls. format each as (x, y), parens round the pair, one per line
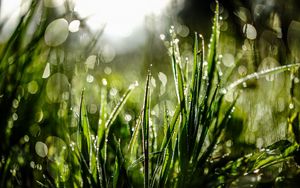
(264, 73)
(84, 129)
(119, 107)
(134, 136)
(145, 131)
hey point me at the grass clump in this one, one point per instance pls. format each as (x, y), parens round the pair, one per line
(100, 149)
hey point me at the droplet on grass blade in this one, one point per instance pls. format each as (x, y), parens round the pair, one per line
(56, 32)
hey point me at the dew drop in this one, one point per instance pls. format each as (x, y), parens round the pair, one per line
(162, 36)
(89, 78)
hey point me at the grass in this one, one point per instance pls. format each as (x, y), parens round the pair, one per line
(178, 148)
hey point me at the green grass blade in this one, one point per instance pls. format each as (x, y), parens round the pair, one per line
(119, 107)
(134, 136)
(263, 73)
(85, 130)
(145, 131)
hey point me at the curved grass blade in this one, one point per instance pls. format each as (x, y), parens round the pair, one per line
(119, 107)
(134, 135)
(261, 74)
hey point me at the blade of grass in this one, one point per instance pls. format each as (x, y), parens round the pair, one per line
(145, 131)
(260, 74)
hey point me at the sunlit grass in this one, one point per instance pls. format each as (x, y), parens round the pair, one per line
(66, 125)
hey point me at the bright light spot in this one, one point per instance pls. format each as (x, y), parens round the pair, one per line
(90, 61)
(120, 17)
(107, 70)
(108, 53)
(250, 31)
(33, 87)
(228, 60)
(74, 26)
(41, 149)
(46, 73)
(57, 32)
(26, 138)
(90, 78)
(57, 84)
(127, 117)
(162, 36)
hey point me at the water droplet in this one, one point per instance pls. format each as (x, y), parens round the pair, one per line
(291, 106)
(57, 84)
(26, 138)
(108, 53)
(162, 36)
(107, 70)
(127, 117)
(15, 116)
(104, 81)
(41, 149)
(33, 87)
(74, 26)
(228, 60)
(15, 103)
(39, 116)
(244, 84)
(32, 164)
(250, 31)
(229, 143)
(56, 32)
(89, 78)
